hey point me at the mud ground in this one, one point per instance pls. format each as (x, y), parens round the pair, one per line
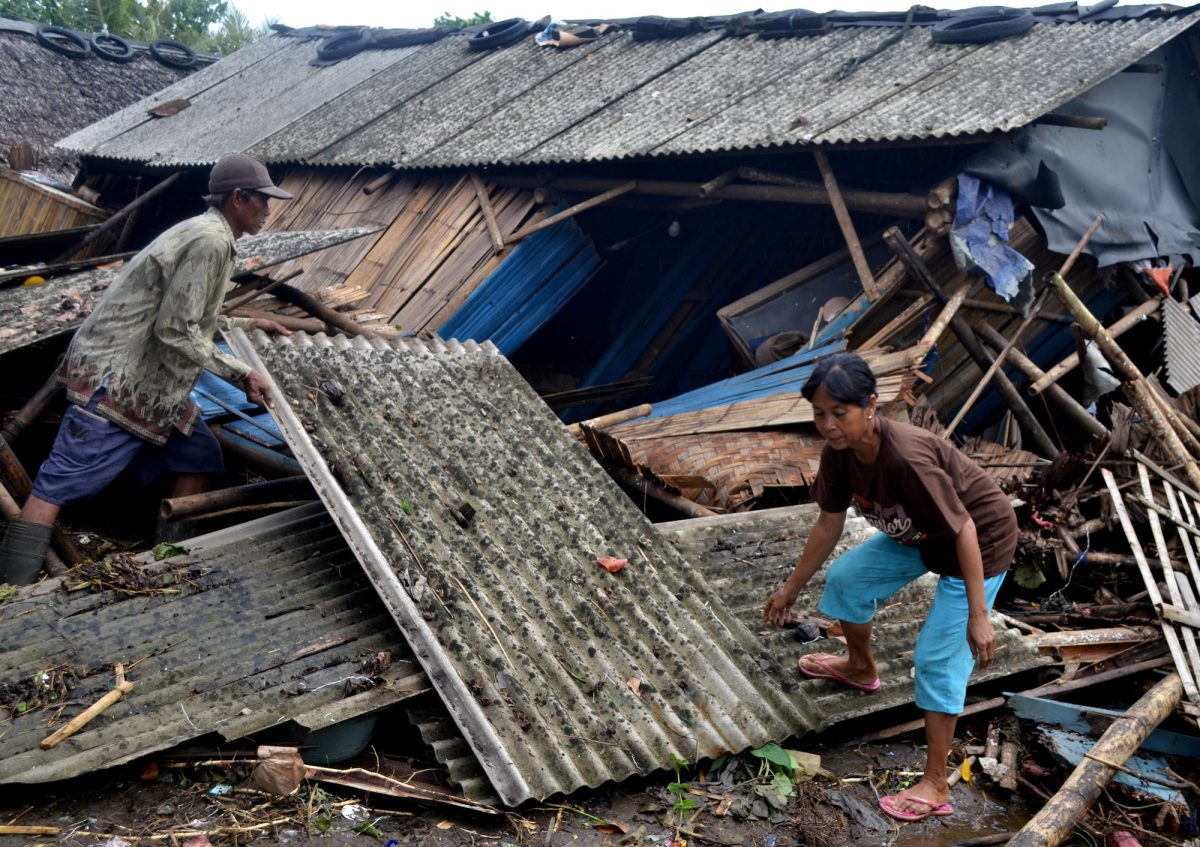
(743, 810)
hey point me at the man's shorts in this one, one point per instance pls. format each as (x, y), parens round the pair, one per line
(875, 570)
(90, 451)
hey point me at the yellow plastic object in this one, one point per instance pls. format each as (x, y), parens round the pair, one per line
(34, 280)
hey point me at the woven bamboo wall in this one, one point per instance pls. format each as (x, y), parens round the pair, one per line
(432, 251)
(30, 208)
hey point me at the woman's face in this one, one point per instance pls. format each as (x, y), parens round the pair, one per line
(842, 424)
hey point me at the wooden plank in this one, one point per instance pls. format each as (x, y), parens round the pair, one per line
(489, 215)
(1152, 591)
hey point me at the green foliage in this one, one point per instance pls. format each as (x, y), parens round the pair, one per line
(447, 19)
(683, 803)
(406, 507)
(368, 828)
(166, 550)
(209, 26)
(777, 768)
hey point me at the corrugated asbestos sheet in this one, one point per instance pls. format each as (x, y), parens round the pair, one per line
(33, 313)
(479, 521)
(442, 106)
(746, 557)
(1181, 332)
(258, 625)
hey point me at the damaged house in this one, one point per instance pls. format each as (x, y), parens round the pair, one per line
(582, 274)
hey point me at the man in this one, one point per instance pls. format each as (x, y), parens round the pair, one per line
(134, 361)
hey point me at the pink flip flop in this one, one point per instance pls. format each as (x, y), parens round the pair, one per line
(826, 672)
(889, 809)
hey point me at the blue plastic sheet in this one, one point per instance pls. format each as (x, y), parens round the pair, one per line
(980, 239)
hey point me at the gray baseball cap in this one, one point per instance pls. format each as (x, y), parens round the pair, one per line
(237, 170)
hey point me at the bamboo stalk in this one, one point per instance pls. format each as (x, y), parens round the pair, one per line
(1145, 310)
(1136, 388)
(970, 342)
(33, 409)
(974, 304)
(489, 214)
(881, 202)
(21, 829)
(83, 718)
(656, 492)
(244, 299)
(1054, 822)
(847, 226)
(617, 191)
(287, 488)
(106, 227)
(1056, 394)
(899, 323)
(320, 311)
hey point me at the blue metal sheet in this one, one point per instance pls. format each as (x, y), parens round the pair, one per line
(530, 286)
(1072, 748)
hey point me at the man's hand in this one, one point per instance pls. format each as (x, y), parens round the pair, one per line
(257, 390)
(269, 326)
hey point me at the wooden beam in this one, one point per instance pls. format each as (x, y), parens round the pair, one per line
(489, 214)
(623, 188)
(110, 224)
(1149, 309)
(847, 226)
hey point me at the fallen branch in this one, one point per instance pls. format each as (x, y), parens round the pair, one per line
(84, 718)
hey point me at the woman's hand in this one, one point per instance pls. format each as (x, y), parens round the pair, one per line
(779, 606)
(981, 635)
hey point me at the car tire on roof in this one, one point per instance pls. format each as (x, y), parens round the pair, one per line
(173, 54)
(983, 27)
(114, 48)
(63, 41)
(498, 34)
(343, 45)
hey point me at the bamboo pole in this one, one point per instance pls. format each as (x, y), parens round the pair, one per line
(106, 227)
(83, 718)
(23, 829)
(33, 409)
(616, 191)
(1058, 818)
(656, 492)
(19, 485)
(1134, 384)
(847, 226)
(1145, 310)
(320, 311)
(489, 214)
(244, 299)
(287, 488)
(801, 192)
(973, 304)
(970, 342)
(1056, 394)
(945, 317)
(288, 321)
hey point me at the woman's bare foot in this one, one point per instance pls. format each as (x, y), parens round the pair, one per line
(923, 798)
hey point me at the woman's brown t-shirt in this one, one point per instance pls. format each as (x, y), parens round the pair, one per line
(920, 491)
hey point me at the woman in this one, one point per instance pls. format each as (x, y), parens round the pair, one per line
(936, 511)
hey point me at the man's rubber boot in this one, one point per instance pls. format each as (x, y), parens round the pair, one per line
(23, 551)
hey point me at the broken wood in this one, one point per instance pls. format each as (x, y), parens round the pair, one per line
(1149, 309)
(991, 748)
(719, 181)
(319, 310)
(1054, 393)
(119, 216)
(1021, 327)
(22, 829)
(287, 489)
(287, 321)
(616, 191)
(241, 300)
(847, 226)
(1133, 383)
(656, 492)
(919, 723)
(33, 408)
(14, 478)
(489, 214)
(1054, 822)
(802, 192)
(972, 304)
(81, 720)
(612, 419)
(1008, 758)
(380, 182)
(970, 342)
(263, 458)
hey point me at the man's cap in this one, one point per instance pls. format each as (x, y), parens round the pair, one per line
(237, 170)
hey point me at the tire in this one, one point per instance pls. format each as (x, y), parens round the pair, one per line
(499, 34)
(173, 54)
(343, 45)
(64, 42)
(983, 27)
(114, 48)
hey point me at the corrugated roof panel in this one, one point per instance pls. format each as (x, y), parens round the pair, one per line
(718, 88)
(261, 624)
(620, 98)
(238, 114)
(34, 313)
(981, 99)
(1181, 332)
(357, 109)
(745, 557)
(455, 104)
(237, 65)
(559, 674)
(613, 66)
